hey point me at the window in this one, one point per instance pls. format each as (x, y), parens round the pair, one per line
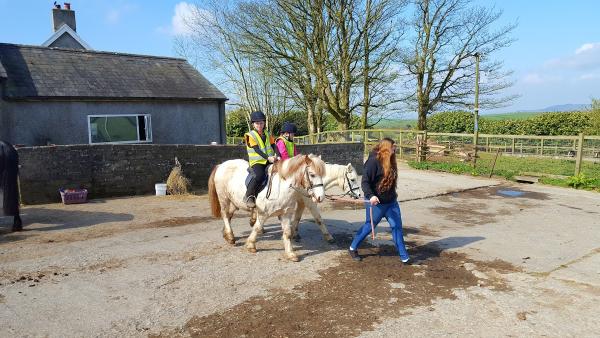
(119, 128)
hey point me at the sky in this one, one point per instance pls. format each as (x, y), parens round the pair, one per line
(555, 58)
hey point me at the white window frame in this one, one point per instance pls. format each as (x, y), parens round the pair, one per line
(147, 118)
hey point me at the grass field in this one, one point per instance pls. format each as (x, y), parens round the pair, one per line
(511, 166)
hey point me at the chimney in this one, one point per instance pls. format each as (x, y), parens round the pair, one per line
(63, 17)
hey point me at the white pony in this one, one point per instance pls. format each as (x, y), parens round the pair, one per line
(300, 174)
(343, 176)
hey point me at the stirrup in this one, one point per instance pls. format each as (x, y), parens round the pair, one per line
(251, 202)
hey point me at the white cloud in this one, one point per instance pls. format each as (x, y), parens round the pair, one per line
(532, 78)
(586, 47)
(538, 79)
(184, 14)
(585, 58)
(590, 76)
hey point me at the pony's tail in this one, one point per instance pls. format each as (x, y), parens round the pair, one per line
(213, 198)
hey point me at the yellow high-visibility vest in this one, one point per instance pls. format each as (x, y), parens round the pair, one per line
(253, 156)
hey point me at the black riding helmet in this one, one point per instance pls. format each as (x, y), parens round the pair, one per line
(257, 116)
(289, 127)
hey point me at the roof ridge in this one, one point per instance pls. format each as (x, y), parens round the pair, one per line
(92, 51)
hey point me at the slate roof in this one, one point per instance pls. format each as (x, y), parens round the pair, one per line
(35, 72)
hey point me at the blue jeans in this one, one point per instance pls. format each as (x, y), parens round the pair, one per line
(391, 211)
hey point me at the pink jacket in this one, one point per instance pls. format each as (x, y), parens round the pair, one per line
(284, 155)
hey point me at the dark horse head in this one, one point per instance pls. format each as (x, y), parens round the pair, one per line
(9, 189)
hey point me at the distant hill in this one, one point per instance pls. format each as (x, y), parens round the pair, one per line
(560, 107)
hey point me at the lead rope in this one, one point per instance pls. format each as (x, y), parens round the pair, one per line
(372, 224)
(333, 198)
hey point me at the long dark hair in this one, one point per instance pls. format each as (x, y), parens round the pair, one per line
(387, 158)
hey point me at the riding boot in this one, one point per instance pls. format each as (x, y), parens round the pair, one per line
(17, 224)
(249, 198)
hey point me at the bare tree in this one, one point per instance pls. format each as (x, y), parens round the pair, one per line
(382, 32)
(331, 56)
(215, 43)
(440, 65)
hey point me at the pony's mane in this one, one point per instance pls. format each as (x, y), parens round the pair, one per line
(292, 165)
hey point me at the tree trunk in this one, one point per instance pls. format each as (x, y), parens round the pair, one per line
(366, 79)
(422, 122)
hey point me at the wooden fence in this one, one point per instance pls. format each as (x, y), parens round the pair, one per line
(417, 145)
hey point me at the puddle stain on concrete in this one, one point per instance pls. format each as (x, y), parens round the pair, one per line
(351, 297)
(465, 211)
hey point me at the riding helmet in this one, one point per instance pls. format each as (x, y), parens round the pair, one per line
(289, 127)
(257, 116)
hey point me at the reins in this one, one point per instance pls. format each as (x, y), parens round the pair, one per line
(270, 179)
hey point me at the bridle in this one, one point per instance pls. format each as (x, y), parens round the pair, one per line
(311, 186)
(309, 192)
(351, 189)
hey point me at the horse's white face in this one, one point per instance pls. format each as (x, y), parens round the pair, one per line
(351, 182)
(315, 185)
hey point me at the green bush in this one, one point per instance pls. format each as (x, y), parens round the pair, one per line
(451, 122)
(564, 123)
(580, 181)
(236, 123)
(594, 128)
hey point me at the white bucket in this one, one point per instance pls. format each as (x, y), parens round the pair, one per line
(161, 189)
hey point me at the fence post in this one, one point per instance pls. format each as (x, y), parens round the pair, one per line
(521, 147)
(422, 147)
(542, 147)
(400, 143)
(513, 146)
(579, 154)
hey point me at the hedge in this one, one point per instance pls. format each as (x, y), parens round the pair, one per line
(561, 123)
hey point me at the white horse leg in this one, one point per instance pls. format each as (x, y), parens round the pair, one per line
(227, 213)
(251, 241)
(252, 221)
(287, 234)
(296, 220)
(314, 210)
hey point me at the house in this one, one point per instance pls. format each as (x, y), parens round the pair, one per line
(63, 92)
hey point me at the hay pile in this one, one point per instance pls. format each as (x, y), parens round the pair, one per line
(177, 183)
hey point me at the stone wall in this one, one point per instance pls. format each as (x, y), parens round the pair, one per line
(123, 170)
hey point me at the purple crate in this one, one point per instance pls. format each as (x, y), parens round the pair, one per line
(73, 196)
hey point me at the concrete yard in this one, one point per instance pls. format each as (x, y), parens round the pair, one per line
(496, 259)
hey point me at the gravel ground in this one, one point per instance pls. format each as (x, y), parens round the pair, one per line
(496, 259)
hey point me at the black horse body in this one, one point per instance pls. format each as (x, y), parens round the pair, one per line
(9, 189)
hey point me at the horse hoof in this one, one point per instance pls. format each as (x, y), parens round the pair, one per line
(331, 240)
(252, 250)
(293, 258)
(229, 239)
(17, 228)
(297, 239)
